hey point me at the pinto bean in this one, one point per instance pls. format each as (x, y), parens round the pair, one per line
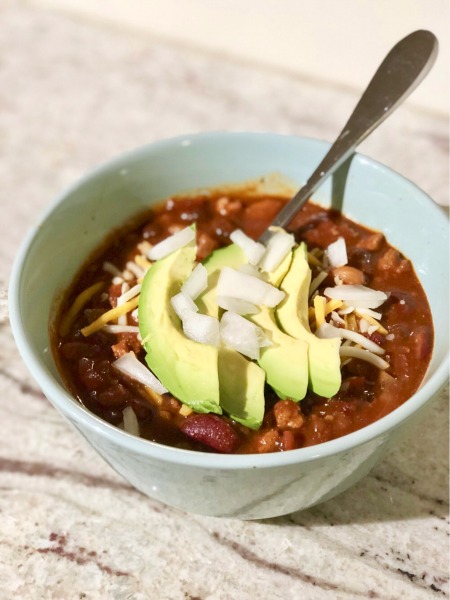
(349, 275)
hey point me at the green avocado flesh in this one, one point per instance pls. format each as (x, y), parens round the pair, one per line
(210, 379)
(188, 369)
(285, 363)
(241, 381)
(292, 313)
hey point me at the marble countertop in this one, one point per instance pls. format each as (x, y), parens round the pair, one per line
(73, 94)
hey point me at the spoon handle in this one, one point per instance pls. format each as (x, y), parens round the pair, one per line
(399, 74)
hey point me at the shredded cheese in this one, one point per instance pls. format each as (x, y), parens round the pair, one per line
(372, 321)
(185, 410)
(332, 305)
(77, 305)
(142, 262)
(319, 308)
(110, 315)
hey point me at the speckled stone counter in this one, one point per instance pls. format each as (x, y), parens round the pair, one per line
(73, 94)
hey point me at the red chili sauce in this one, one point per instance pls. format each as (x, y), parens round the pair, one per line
(366, 394)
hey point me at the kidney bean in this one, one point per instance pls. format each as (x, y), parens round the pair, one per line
(94, 374)
(211, 430)
(114, 397)
(77, 350)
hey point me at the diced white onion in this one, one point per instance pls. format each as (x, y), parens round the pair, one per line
(201, 328)
(352, 352)
(172, 243)
(346, 310)
(364, 326)
(337, 318)
(337, 253)
(182, 304)
(369, 312)
(252, 250)
(131, 366)
(196, 283)
(329, 331)
(279, 245)
(242, 335)
(234, 284)
(358, 296)
(241, 307)
(120, 328)
(251, 270)
(130, 422)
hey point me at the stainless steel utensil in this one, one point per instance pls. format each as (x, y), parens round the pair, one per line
(399, 74)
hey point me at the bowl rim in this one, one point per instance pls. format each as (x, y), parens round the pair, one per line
(61, 399)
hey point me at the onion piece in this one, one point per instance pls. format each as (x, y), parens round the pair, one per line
(196, 283)
(130, 422)
(241, 307)
(242, 335)
(252, 250)
(352, 352)
(201, 328)
(234, 284)
(120, 328)
(131, 366)
(251, 270)
(369, 312)
(182, 304)
(337, 253)
(172, 243)
(330, 331)
(358, 296)
(278, 246)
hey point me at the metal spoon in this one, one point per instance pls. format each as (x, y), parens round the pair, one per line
(399, 74)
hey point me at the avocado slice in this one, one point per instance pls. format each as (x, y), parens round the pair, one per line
(241, 381)
(286, 361)
(292, 314)
(188, 369)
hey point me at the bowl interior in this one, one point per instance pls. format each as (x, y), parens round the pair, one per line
(79, 220)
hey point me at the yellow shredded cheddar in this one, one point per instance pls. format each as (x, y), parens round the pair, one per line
(77, 305)
(319, 308)
(185, 410)
(142, 262)
(110, 315)
(154, 396)
(332, 305)
(372, 321)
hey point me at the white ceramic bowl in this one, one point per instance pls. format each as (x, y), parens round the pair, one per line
(244, 486)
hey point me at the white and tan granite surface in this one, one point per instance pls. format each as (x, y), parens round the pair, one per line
(73, 94)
